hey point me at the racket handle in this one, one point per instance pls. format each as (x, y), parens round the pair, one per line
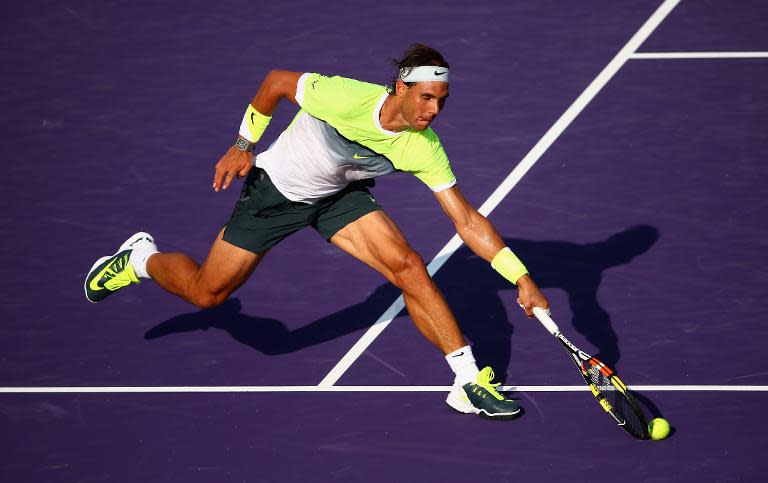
(546, 320)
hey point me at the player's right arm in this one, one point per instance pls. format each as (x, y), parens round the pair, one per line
(485, 241)
(277, 85)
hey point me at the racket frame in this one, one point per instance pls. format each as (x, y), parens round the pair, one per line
(583, 361)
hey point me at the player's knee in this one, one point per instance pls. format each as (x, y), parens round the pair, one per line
(408, 269)
(209, 300)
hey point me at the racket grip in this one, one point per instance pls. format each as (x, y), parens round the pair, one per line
(546, 320)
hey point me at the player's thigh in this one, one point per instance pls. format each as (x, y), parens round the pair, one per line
(227, 266)
(376, 240)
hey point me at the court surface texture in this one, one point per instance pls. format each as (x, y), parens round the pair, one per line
(618, 146)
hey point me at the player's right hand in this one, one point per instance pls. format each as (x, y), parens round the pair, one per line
(234, 162)
(530, 296)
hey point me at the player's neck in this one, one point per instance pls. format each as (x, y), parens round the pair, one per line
(390, 116)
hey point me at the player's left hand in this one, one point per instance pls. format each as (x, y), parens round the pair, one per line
(529, 295)
(235, 162)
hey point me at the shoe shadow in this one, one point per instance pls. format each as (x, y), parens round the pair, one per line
(473, 291)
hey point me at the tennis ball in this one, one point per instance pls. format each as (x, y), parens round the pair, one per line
(658, 428)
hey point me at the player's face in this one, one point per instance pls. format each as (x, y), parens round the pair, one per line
(422, 103)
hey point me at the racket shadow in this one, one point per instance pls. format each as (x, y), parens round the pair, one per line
(650, 409)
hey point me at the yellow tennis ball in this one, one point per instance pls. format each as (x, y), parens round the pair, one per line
(658, 428)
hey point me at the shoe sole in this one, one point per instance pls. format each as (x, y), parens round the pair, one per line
(125, 246)
(457, 404)
(501, 417)
(493, 417)
(93, 267)
(460, 406)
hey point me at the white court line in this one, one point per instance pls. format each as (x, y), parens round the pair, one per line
(276, 389)
(512, 179)
(699, 55)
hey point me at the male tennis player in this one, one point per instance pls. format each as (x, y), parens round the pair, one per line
(345, 133)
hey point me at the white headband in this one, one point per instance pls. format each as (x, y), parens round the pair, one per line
(424, 73)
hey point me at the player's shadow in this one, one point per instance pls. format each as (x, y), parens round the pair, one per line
(271, 336)
(471, 288)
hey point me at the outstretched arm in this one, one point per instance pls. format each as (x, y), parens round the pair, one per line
(483, 239)
(277, 85)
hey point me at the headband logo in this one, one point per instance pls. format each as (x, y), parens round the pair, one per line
(424, 73)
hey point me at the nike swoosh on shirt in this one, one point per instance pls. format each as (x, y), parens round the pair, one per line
(357, 156)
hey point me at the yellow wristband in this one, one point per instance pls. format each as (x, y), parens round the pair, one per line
(508, 265)
(253, 125)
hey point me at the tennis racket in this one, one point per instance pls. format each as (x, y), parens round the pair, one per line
(608, 389)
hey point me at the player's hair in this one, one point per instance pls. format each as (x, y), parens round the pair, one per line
(416, 55)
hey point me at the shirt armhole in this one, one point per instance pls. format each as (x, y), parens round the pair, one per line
(444, 186)
(300, 87)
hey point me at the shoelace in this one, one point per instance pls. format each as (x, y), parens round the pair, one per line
(484, 380)
(120, 274)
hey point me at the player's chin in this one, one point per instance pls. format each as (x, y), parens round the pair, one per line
(421, 124)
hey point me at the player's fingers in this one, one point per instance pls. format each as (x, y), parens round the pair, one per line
(218, 177)
(228, 178)
(245, 170)
(527, 307)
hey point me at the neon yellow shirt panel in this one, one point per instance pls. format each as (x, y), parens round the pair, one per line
(352, 108)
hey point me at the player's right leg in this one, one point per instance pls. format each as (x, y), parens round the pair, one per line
(261, 219)
(225, 269)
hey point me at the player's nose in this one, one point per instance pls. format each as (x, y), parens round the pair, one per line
(434, 108)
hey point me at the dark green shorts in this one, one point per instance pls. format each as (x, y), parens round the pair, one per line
(263, 216)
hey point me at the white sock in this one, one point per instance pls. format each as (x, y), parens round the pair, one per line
(139, 257)
(463, 364)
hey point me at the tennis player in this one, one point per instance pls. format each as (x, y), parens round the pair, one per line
(317, 174)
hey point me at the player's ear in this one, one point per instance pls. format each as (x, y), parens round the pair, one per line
(400, 88)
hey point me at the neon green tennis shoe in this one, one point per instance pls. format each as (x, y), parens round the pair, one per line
(110, 274)
(482, 398)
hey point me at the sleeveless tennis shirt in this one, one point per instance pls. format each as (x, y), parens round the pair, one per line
(337, 138)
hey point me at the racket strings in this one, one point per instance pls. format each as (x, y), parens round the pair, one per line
(620, 405)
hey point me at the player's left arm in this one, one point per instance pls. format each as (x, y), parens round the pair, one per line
(483, 239)
(238, 160)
